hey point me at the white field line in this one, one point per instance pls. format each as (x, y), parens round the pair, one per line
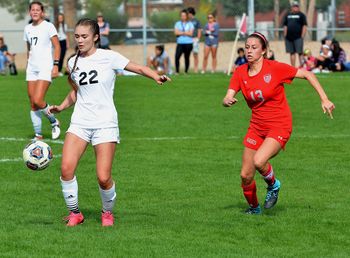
(21, 159)
(14, 139)
(181, 138)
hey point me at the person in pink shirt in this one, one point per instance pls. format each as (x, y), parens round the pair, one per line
(309, 61)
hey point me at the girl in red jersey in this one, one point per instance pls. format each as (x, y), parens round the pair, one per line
(261, 82)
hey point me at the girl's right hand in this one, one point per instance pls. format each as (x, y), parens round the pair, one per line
(228, 102)
(54, 109)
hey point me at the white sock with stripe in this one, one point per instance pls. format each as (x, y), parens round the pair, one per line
(36, 120)
(70, 194)
(108, 198)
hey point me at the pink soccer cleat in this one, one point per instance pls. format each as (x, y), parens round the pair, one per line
(74, 219)
(107, 219)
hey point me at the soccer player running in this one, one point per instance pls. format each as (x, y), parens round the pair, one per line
(261, 82)
(94, 119)
(42, 66)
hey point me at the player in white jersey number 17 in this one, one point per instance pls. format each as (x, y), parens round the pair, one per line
(94, 119)
(41, 37)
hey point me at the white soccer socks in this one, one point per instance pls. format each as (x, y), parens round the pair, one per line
(36, 120)
(51, 117)
(108, 198)
(70, 194)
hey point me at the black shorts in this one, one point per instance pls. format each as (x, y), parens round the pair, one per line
(294, 46)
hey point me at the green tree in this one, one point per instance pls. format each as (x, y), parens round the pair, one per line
(19, 8)
(111, 15)
(232, 7)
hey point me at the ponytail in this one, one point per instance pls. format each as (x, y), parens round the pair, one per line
(70, 79)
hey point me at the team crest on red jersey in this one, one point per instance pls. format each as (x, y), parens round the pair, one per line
(267, 78)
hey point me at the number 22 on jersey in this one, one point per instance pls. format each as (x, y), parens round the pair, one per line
(88, 78)
(257, 96)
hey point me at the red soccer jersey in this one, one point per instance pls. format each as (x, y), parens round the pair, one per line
(265, 94)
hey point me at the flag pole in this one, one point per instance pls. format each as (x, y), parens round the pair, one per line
(235, 45)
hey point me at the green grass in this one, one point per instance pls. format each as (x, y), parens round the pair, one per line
(177, 172)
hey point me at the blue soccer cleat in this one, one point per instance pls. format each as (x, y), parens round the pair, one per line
(272, 194)
(253, 211)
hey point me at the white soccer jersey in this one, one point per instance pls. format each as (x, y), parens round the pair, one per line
(95, 77)
(39, 39)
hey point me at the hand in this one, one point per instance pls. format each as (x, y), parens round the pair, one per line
(328, 107)
(161, 79)
(54, 72)
(228, 102)
(54, 109)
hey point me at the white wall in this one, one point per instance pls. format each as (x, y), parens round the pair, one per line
(12, 31)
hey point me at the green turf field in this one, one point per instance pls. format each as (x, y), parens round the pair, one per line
(177, 173)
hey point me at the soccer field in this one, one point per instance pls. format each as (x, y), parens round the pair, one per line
(177, 171)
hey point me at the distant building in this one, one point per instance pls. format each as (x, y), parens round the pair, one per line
(12, 31)
(135, 10)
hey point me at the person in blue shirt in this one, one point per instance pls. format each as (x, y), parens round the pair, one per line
(197, 33)
(241, 59)
(211, 42)
(183, 31)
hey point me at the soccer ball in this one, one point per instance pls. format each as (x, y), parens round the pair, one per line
(37, 155)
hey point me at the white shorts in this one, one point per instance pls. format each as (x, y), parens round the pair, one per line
(195, 48)
(35, 75)
(96, 136)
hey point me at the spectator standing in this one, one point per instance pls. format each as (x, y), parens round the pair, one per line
(183, 31)
(104, 31)
(197, 33)
(211, 42)
(61, 27)
(294, 30)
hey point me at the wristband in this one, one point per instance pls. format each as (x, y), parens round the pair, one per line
(56, 62)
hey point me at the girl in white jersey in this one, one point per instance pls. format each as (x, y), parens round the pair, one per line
(41, 36)
(94, 119)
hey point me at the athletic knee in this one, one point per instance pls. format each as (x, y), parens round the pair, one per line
(38, 103)
(67, 171)
(246, 178)
(105, 182)
(259, 163)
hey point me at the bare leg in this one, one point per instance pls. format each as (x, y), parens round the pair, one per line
(300, 59)
(248, 168)
(73, 149)
(195, 59)
(104, 153)
(292, 59)
(267, 150)
(205, 58)
(213, 56)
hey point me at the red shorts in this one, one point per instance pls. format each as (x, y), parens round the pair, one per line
(255, 138)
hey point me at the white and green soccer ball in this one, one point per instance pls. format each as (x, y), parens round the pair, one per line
(37, 155)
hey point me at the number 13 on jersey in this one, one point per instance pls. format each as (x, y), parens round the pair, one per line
(257, 96)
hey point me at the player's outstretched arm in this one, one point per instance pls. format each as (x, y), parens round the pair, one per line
(147, 72)
(229, 99)
(66, 103)
(326, 104)
(56, 54)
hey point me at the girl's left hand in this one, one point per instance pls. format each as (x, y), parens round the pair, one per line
(161, 79)
(328, 107)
